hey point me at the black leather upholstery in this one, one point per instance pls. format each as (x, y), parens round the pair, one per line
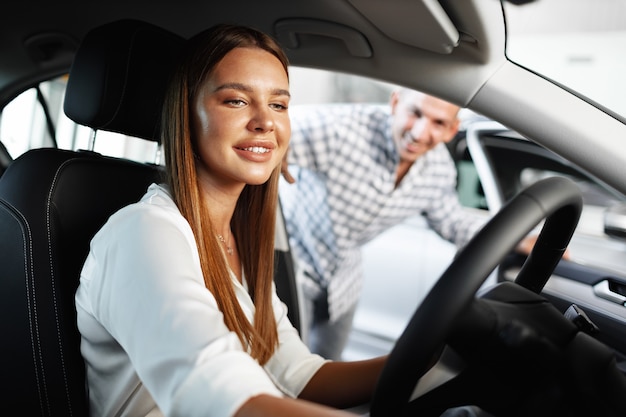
(118, 78)
(53, 201)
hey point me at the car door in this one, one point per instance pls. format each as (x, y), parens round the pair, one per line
(502, 163)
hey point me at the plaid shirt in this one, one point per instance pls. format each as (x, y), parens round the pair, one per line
(344, 196)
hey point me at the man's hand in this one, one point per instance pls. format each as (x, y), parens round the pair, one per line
(527, 244)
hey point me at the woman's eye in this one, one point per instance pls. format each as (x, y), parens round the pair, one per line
(236, 102)
(279, 106)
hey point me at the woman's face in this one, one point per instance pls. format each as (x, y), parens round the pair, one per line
(241, 121)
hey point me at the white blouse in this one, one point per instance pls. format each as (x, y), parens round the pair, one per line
(153, 338)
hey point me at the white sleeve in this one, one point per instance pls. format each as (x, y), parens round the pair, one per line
(147, 290)
(292, 365)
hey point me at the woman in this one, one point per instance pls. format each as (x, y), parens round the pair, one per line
(176, 304)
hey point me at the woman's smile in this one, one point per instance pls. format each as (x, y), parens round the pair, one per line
(255, 152)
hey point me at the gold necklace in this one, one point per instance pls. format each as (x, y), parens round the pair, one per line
(229, 249)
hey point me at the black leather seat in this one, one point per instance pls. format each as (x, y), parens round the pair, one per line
(53, 201)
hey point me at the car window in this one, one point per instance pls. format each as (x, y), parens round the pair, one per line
(518, 163)
(574, 50)
(469, 187)
(23, 125)
(314, 86)
(513, 163)
(35, 119)
(494, 164)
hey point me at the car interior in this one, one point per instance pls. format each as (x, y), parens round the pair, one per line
(52, 200)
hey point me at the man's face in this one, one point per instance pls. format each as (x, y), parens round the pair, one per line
(420, 122)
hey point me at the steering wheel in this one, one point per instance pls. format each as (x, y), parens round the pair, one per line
(451, 313)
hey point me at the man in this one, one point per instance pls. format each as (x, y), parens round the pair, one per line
(358, 170)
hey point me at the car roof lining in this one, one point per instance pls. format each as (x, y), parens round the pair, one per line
(432, 29)
(472, 46)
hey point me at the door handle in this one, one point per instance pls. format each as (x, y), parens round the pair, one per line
(603, 290)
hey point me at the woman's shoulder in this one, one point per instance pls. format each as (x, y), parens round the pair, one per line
(155, 208)
(158, 196)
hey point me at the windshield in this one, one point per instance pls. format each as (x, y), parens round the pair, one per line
(576, 43)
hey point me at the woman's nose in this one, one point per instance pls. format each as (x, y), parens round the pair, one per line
(262, 120)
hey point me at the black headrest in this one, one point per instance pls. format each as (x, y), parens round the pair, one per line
(118, 78)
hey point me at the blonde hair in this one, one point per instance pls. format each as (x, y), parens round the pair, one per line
(254, 218)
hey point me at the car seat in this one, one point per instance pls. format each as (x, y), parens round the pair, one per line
(53, 201)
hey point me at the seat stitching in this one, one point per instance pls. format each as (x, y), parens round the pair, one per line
(31, 303)
(53, 279)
